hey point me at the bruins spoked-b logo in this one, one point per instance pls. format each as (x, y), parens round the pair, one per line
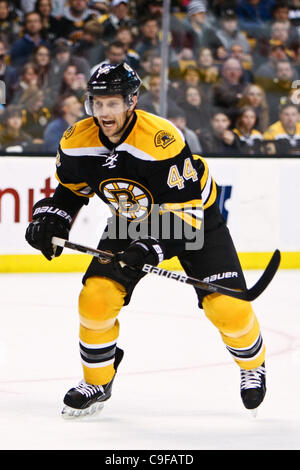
(69, 131)
(128, 198)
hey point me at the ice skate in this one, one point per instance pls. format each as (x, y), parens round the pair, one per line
(253, 387)
(87, 399)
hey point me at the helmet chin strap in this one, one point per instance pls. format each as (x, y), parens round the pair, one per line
(128, 116)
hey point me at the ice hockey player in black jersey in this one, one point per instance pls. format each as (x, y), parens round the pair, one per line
(140, 165)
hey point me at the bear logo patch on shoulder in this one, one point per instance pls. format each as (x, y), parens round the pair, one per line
(163, 139)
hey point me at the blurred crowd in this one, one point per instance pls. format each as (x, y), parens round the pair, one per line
(232, 69)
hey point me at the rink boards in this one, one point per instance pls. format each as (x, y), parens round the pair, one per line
(259, 198)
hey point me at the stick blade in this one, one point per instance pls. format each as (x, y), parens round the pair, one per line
(265, 279)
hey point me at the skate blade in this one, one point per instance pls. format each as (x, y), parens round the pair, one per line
(253, 412)
(73, 413)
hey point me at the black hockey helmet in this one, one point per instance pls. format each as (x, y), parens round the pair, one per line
(112, 79)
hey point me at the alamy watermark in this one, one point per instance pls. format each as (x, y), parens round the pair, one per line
(2, 92)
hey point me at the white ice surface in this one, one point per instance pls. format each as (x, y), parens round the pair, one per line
(177, 387)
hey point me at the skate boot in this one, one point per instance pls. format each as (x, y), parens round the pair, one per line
(253, 387)
(88, 399)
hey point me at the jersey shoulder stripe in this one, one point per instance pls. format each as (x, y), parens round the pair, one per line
(155, 137)
(207, 184)
(152, 138)
(83, 135)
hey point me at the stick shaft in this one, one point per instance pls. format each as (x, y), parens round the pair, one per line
(248, 294)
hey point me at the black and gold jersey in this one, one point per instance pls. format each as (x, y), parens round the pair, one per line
(251, 143)
(283, 142)
(150, 167)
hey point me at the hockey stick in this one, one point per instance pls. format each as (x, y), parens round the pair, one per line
(248, 294)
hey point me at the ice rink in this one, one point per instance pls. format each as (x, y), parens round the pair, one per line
(177, 387)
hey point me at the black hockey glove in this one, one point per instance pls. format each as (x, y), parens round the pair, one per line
(48, 220)
(140, 252)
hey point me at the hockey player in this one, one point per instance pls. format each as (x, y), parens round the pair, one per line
(139, 164)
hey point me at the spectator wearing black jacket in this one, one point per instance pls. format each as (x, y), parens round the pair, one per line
(119, 16)
(51, 25)
(219, 139)
(197, 31)
(227, 93)
(75, 15)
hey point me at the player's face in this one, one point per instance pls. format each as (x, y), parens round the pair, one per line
(111, 112)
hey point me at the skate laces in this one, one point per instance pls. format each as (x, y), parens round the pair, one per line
(252, 378)
(88, 390)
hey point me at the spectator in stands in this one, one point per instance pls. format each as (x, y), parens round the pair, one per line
(114, 53)
(189, 76)
(280, 16)
(126, 37)
(68, 111)
(7, 74)
(23, 48)
(280, 87)
(119, 16)
(229, 32)
(28, 78)
(282, 32)
(185, 58)
(255, 97)
(177, 115)
(197, 32)
(90, 45)
(253, 15)
(196, 110)
(154, 8)
(227, 93)
(50, 24)
(209, 72)
(75, 15)
(9, 22)
(283, 137)
(219, 139)
(144, 67)
(72, 82)
(250, 139)
(63, 56)
(237, 51)
(12, 137)
(149, 36)
(154, 67)
(150, 100)
(273, 47)
(35, 116)
(41, 57)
